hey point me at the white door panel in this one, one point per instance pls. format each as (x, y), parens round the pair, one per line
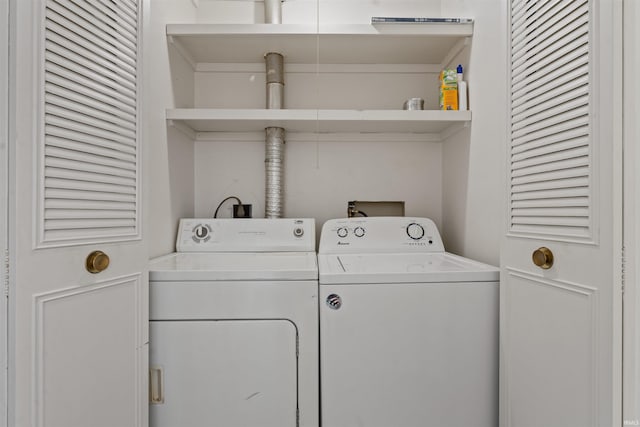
(73, 359)
(551, 337)
(79, 339)
(560, 352)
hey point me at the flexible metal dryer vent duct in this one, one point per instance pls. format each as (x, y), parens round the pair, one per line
(274, 147)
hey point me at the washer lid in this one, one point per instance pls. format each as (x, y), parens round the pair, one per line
(402, 268)
(235, 266)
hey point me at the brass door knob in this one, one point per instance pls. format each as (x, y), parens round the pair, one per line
(543, 258)
(97, 261)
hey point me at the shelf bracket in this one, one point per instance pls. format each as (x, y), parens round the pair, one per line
(182, 51)
(186, 130)
(452, 130)
(455, 50)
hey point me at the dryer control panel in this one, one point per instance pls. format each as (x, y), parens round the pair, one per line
(380, 235)
(246, 235)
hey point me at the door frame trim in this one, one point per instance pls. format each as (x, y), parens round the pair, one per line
(4, 210)
(631, 220)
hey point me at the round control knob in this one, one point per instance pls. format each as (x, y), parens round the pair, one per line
(342, 232)
(298, 231)
(415, 231)
(358, 232)
(200, 231)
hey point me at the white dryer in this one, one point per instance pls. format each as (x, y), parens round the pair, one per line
(408, 332)
(234, 325)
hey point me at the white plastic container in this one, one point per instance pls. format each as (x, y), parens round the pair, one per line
(462, 91)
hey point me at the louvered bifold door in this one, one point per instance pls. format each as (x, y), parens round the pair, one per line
(551, 104)
(89, 152)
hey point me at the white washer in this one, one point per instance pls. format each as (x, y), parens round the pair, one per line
(408, 332)
(234, 325)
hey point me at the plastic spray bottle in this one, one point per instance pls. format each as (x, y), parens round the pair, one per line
(462, 90)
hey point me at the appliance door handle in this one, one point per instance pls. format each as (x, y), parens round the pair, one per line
(156, 385)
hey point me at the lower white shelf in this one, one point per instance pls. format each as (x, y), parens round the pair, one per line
(200, 120)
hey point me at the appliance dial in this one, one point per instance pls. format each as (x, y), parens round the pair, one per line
(342, 232)
(415, 231)
(298, 231)
(201, 233)
(359, 231)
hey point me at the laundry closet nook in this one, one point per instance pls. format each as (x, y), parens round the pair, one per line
(334, 86)
(208, 61)
(326, 136)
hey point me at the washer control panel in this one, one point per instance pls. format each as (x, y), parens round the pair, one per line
(246, 235)
(415, 231)
(380, 234)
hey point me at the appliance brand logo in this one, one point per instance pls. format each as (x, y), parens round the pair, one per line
(343, 243)
(334, 301)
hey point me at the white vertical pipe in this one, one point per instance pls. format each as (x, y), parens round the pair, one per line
(275, 80)
(273, 11)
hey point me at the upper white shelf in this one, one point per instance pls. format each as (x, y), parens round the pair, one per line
(327, 121)
(432, 43)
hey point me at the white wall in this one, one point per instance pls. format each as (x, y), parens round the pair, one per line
(168, 152)
(474, 161)
(323, 172)
(310, 11)
(305, 88)
(459, 182)
(321, 177)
